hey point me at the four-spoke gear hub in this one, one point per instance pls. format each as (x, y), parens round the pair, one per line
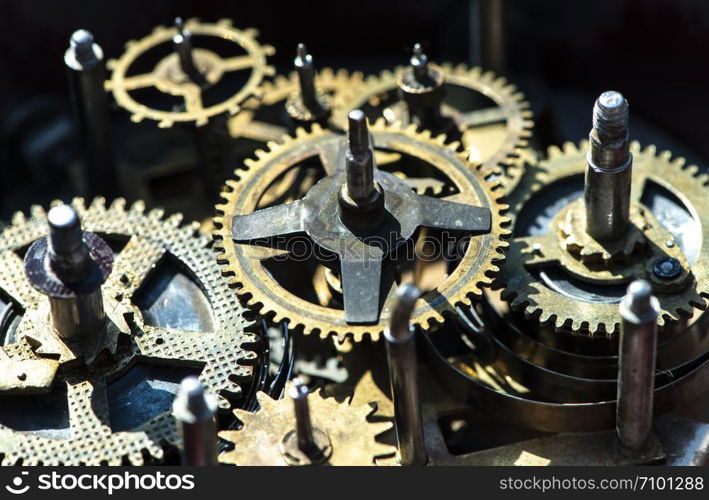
(361, 215)
(189, 71)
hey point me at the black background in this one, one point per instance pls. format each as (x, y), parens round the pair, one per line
(561, 54)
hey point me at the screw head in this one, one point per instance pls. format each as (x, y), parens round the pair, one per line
(667, 268)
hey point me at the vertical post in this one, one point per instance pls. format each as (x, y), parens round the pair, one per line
(195, 412)
(636, 371)
(84, 62)
(403, 376)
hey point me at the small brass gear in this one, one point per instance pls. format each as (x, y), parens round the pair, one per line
(167, 75)
(352, 436)
(329, 82)
(496, 137)
(553, 271)
(252, 282)
(42, 377)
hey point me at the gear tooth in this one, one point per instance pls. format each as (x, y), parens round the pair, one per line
(119, 204)
(175, 219)
(225, 23)
(136, 458)
(111, 65)
(37, 212)
(138, 207)
(553, 152)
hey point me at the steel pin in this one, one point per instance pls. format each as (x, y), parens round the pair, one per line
(636, 372)
(609, 169)
(195, 412)
(403, 375)
(182, 41)
(298, 392)
(360, 165)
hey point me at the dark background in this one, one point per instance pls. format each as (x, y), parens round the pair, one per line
(561, 54)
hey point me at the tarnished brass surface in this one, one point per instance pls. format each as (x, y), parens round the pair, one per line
(221, 355)
(351, 433)
(496, 137)
(252, 282)
(167, 75)
(582, 258)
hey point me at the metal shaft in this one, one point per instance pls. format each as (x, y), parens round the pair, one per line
(68, 257)
(182, 42)
(636, 372)
(84, 62)
(306, 78)
(419, 63)
(303, 425)
(360, 165)
(194, 412)
(609, 169)
(403, 376)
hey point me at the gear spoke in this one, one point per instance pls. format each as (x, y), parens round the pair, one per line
(237, 63)
(243, 125)
(361, 282)
(444, 214)
(140, 81)
(483, 117)
(332, 156)
(135, 263)
(88, 408)
(279, 220)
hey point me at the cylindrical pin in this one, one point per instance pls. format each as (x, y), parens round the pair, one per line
(182, 42)
(403, 375)
(303, 425)
(306, 78)
(636, 372)
(69, 266)
(609, 169)
(360, 166)
(87, 74)
(195, 412)
(419, 63)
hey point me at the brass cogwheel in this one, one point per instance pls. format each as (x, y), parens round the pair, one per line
(496, 137)
(330, 83)
(553, 272)
(253, 282)
(168, 77)
(352, 436)
(73, 413)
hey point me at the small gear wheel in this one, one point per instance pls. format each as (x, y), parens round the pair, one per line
(170, 77)
(253, 266)
(490, 117)
(561, 277)
(344, 432)
(262, 119)
(169, 314)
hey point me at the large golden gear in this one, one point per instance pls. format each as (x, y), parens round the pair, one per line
(328, 82)
(352, 436)
(497, 138)
(255, 285)
(35, 363)
(167, 75)
(565, 244)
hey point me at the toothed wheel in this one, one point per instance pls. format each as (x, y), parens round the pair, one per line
(261, 120)
(168, 77)
(559, 276)
(493, 120)
(254, 268)
(173, 315)
(351, 436)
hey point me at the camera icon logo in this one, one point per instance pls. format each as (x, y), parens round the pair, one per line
(16, 488)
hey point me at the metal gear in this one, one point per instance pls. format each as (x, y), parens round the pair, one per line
(495, 137)
(168, 76)
(352, 436)
(559, 276)
(252, 281)
(59, 410)
(276, 93)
